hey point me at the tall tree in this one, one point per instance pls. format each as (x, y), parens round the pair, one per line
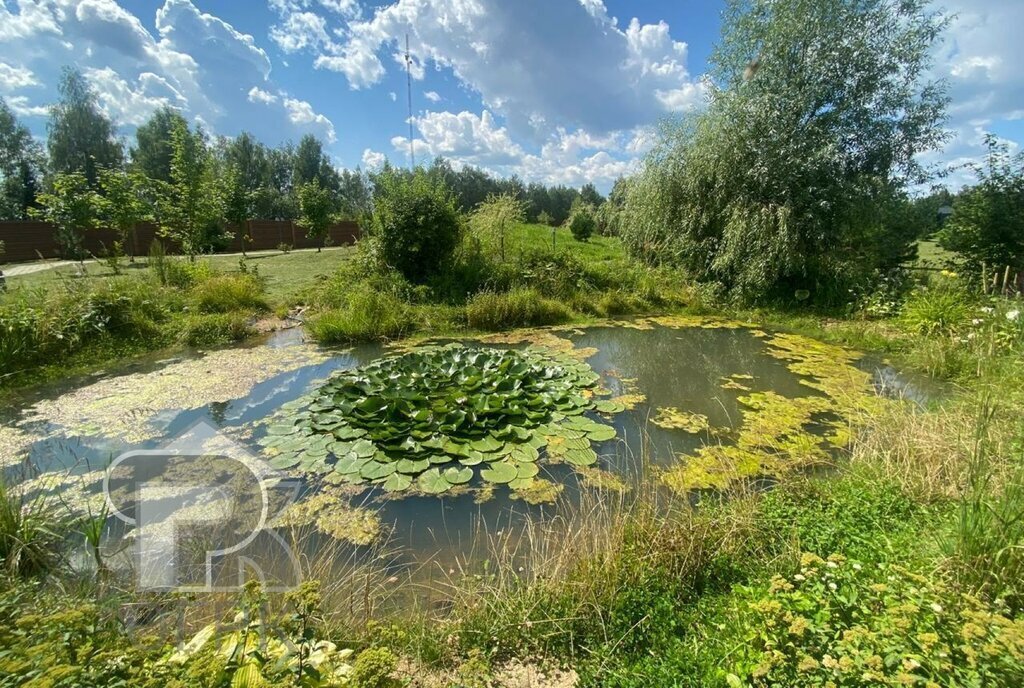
(315, 214)
(21, 160)
(123, 203)
(70, 206)
(191, 205)
(311, 163)
(152, 151)
(821, 109)
(81, 138)
(591, 196)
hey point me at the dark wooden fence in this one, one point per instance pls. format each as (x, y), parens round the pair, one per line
(30, 240)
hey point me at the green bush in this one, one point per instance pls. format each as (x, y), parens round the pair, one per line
(373, 667)
(415, 225)
(940, 308)
(225, 293)
(204, 331)
(517, 308)
(582, 223)
(843, 622)
(182, 273)
(365, 314)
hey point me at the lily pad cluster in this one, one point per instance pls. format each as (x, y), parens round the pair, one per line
(437, 417)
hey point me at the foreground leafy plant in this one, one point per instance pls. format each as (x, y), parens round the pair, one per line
(431, 416)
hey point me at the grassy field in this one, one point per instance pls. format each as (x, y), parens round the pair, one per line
(285, 274)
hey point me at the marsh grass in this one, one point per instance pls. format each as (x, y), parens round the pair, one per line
(31, 533)
(493, 311)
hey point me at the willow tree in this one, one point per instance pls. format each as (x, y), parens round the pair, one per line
(817, 112)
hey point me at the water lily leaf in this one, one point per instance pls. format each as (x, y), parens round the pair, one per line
(432, 482)
(609, 406)
(364, 449)
(412, 466)
(397, 482)
(474, 458)
(458, 476)
(374, 470)
(500, 472)
(580, 457)
(527, 470)
(349, 464)
(525, 453)
(282, 429)
(284, 461)
(602, 433)
(487, 444)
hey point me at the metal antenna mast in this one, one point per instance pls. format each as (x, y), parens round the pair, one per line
(408, 79)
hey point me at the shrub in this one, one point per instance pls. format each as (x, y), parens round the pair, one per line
(365, 314)
(225, 293)
(941, 308)
(373, 667)
(582, 223)
(205, 331)
(841, 622)
(415, 223)
(517, 308)
(176, 272)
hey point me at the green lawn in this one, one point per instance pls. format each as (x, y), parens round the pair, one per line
(931, 255)
(286, 274)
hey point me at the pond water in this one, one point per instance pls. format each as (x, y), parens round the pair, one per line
(707, 404)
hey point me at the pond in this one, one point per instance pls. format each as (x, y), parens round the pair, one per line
(692, 406)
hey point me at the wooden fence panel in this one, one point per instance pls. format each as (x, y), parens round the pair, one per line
(28, 240)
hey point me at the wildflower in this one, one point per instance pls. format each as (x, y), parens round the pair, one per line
(833, 565)
(976, 321)
(1013, 315)
(829, 663)
(799, 626)
(987, 309)
(807, 663)
(832, 587)
(936, 607)
(856, 567)
(909, 664)
(799, 578)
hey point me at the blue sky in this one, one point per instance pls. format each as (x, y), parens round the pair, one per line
(559, 91)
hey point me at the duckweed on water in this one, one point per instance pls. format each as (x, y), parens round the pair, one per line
(14, 446)
(329, 511)
(123, 407)
(779, 434)
(435, 418)
(536, 491)
(676, 419)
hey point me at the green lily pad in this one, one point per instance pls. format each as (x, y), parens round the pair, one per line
(602, 433)
(500, 472)
(580, 457)
(458, 476)
(374, 470)
(284, 461)
(432, 482)
(412, 466)
(397, 482)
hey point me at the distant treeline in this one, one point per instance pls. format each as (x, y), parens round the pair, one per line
(82, 139)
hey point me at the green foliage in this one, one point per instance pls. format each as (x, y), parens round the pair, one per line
(544, 219)
(942, 307)
(987, 543)
(776, 188)
(70, 206)
(21, 164)
(82, 140)
(493, 311)
(365, 314)
(987, 225)
(207, 331)
(123, 202)
(31, 531)
(373, 668)
(430, 416)
(191, 207)
(315, 211)
(152, 153)
(226, 293)
(582, 222)
(415, 223)
(842, 622)
(494, 217)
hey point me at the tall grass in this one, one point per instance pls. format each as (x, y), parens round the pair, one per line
(986, 545)
(367, 315)
(517, 308)
(226, 293)
(30, 533)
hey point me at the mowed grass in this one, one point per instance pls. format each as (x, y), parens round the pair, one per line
(284, 274)
(931, 255)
